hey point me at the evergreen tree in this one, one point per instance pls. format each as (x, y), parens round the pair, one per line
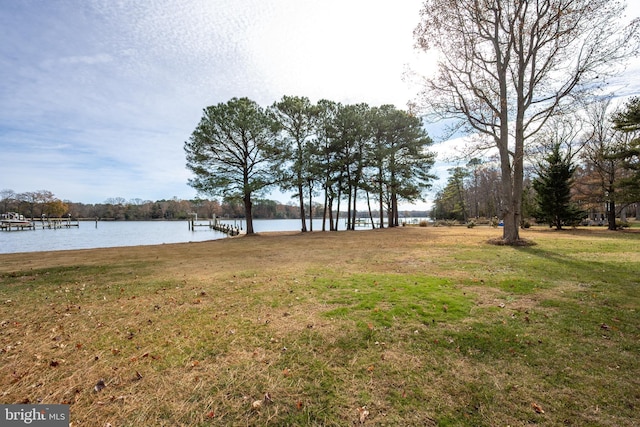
(628, 122)
(450, 203)
(296, 117)
(233, 153)
(553, 188)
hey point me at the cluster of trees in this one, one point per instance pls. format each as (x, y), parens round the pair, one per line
(338, 152)
(32, 203)
(472, 191)
(583, 165)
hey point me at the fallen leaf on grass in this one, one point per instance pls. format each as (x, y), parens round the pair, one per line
(257, 404)
(364, 413)
(537, 408)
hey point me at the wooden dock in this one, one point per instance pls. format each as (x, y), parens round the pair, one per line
(17, 226)
(41, 224)
(217, 225)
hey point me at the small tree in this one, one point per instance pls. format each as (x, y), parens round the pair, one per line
(56, 208)
(553, 188)
(233, 154)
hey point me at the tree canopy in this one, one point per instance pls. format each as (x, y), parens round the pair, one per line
(233, 153)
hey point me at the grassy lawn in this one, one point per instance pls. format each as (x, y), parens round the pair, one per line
(412, 326)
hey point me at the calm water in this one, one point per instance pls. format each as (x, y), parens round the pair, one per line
(122, 233)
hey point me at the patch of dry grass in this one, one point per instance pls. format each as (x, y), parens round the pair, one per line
(411, 326)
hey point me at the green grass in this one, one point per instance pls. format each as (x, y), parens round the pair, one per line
(442, 329)
(387, 300)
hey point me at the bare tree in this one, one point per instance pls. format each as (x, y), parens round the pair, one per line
(602, 169)
(8, 198)
(506, 67)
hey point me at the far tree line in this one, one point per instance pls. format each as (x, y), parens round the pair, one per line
(35, 204)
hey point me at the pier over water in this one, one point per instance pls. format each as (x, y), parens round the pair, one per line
(215, 224)
(16, 222)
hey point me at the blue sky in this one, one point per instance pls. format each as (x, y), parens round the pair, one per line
(98, 96)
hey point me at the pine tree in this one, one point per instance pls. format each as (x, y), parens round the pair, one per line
(553, 188)
(628, 122)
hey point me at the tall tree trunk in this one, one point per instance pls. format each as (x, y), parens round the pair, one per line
(330, 208)
(310, 208)
(373, 224)
(611, 214)
(301, 201)
(394, 209)
(353, 211)
(248, 214)
(392, 191)
(349, 208)
(324, 212)
(338, 210)
(381, 194)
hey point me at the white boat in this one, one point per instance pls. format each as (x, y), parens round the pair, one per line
(14, 219)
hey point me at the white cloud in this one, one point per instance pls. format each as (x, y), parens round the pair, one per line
(87, 59)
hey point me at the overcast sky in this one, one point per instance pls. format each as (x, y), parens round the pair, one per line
(97, 97)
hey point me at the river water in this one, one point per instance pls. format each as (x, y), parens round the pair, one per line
(106, 234)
